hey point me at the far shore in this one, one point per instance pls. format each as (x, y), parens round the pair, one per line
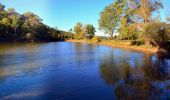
(152, 50)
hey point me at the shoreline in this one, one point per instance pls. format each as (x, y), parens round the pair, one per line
(122, 46)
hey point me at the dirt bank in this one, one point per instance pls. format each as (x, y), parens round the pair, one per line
(120, 45)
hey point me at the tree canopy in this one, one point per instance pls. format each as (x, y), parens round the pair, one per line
(109, 20)
(84, 31)
(89, 31)
(136, 19)
(124, 15)
(25, 27)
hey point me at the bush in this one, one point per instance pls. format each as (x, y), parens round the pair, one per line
(157, 32)
(96, 39)
(129, 33)
(137, 42)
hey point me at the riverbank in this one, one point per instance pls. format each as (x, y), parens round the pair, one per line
(119, 44)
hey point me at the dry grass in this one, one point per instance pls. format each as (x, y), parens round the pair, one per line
(120, 44)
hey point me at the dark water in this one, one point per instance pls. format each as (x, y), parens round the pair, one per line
(77, 71)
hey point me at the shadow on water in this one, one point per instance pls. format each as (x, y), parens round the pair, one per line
(142, 79)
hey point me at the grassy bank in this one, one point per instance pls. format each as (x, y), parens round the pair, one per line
(119, 44)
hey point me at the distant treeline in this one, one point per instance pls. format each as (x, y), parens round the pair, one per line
(15, 27)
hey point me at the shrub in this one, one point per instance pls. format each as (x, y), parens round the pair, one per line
(96, 39)
(129, 33)
(158, 33)
(137, 42)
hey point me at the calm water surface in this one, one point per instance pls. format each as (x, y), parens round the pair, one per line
(78, 71)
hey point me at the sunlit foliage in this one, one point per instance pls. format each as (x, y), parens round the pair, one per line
(25, 27)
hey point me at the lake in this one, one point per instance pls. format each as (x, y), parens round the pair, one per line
(79, 71)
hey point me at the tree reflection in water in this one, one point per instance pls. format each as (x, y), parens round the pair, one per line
(148, 79)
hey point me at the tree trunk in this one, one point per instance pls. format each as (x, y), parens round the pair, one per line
(111, 35)
(147, 43)
(15, 32)
(15, 29)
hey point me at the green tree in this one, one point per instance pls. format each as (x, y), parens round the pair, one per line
(78, 28)
(26, 27)
(2, 11)
(31, 23)
(108, 21)
(6, 22)
(127, 27)
(16, 21)
(145, 10)
(11, 11)
(129, 33)
(128, 17)
(78, 31)
(89, 31)
(158, 33)
(31, 19)
(2, 7)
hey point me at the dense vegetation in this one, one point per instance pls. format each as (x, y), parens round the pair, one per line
(26, 27)
(86, 31)
(137, 20)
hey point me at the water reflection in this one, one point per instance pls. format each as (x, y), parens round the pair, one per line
(142, 79)
(29, 94)
(17, 58)
(78, 71)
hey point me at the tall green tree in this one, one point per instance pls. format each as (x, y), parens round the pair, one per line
(2, 11)
(145, 10)
(78, 29)
(127, 27)
(89, 31)
(16, 20)
(109, 18)
(31, 23)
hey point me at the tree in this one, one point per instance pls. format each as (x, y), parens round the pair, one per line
(78, 31)
(128, 17)
(16, 21)
(129, 33)
(78, 28)
(158, 33)
(6, 22)
(128, 29)
(145, 10)
(26, 27)
(89, 31)
(108, 21)
(31, 19)
(11, 11)
(31, 23)
(2, 7)
(2, 11)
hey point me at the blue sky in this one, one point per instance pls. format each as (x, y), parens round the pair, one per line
(65, 13)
